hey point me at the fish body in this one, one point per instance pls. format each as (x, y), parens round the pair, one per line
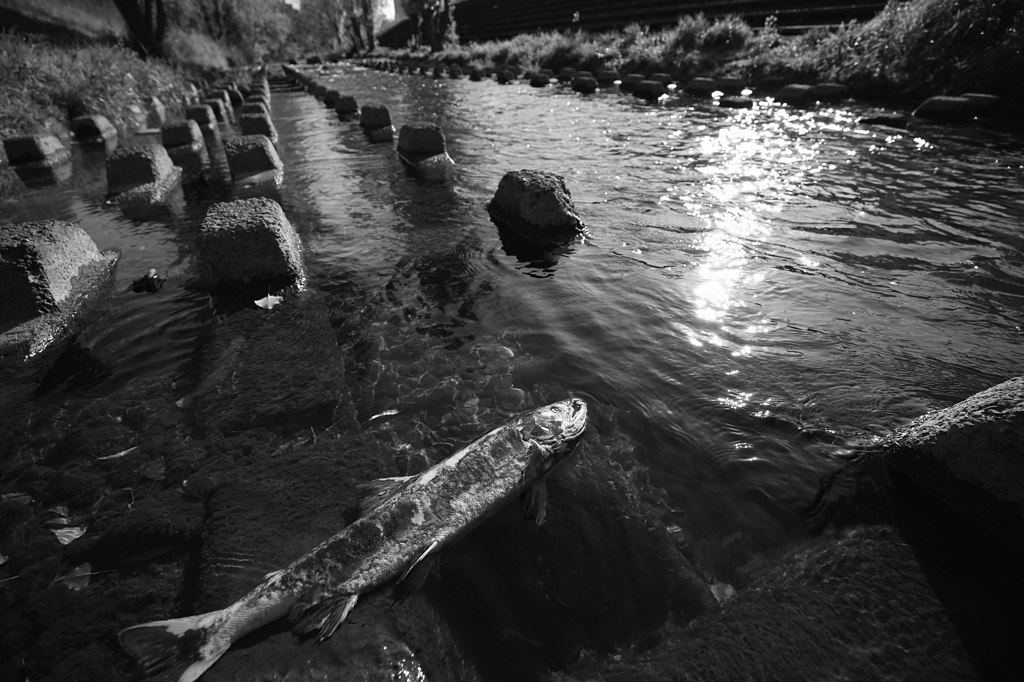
(404, 523)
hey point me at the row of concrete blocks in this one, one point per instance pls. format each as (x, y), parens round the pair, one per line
(421, 146)
(729, 91)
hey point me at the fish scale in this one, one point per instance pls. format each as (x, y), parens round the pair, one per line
(405, 522)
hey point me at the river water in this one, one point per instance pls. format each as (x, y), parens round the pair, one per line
(761, 292)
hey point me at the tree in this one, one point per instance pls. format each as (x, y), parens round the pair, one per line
(431, 18)
(338, 25)
(147, 22)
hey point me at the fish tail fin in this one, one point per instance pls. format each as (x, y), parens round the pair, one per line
(180, 649)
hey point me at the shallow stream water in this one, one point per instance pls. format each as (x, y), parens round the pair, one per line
(760, 294)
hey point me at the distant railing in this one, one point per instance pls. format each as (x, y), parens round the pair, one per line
(480, 20)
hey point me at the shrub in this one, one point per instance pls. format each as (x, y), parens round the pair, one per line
(728, 34)
(687, 33)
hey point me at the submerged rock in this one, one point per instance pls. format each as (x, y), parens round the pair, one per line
(585, 84)
(797, 95)
(252, 159)
(249, 241)
(375, 119)
(536, 205)
(700, 87)
(422, 147)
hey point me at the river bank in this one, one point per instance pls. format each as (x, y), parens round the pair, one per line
(908, 52)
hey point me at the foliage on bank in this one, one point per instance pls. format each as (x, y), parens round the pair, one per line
(911, 50)
(43, 86)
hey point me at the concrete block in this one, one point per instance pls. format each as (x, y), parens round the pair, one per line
(255, 108)
(346, 106)
(797, 95)
(629, 81)
(649, 90)
(220, 110)
(476, 75)
(566, 74)
(539, 80)
(203, 115)
(607, 77)
(701, 87)
(455, 71)
(156, 113)
(584, 84)
(984, 104)
(505, 76)
(947, 109)
(44, 150)
(421, 138)
(374, 116)
(253, 158)
(46, 268)
(330, 97)
(736, 102)
(93, 128)
(140, 174)
(258, 124)
(536, 205)
(249, 241)
(731, 85)
(662, 78)
(185, 132)
(831, 92)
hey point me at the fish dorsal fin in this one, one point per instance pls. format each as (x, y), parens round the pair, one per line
(374, 493)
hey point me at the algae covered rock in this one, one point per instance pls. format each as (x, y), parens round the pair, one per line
(536, 205)
(971, 456)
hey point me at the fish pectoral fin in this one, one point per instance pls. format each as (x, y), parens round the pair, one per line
(325, 616)
(419, 570)
(374, 493)
(535, 501)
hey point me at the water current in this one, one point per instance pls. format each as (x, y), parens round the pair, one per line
(760, 293)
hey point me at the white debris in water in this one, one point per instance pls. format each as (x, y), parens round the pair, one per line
(68, 535)
(385, 413)
(120, 454)
(723, 592)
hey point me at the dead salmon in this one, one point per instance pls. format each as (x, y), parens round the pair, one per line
(404, 523)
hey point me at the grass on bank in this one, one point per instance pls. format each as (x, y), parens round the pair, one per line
(43, 86)
(911, 50)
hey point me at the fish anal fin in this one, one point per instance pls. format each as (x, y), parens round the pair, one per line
(325, 616)
(374, 493)
(416, 574)
(535, 501)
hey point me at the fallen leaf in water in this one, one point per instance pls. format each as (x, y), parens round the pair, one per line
(723, 591)
(68, 535)
(731, 538)
(268, 302)
(59, 510)
(155, 471)
(4, 559)
(20, 498)
(120, 454)
(59, 521)
(77, 578)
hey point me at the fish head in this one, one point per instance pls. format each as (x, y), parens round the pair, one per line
(553, 432)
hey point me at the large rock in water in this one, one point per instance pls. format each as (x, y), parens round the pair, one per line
(536, 205)
(249, 241)
(970, 456)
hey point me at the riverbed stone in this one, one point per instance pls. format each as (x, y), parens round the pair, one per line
(649, 90)
(93, 128)
(947, 109)
(700, 87)
(141, 174)
(46, 268)
(984, 103)
(346, 106)
(249, 241)
(971, 456)
(45, 150)
(796, 94)
(253, 159)
(536, 205)
(258, 124)
(584, 84)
